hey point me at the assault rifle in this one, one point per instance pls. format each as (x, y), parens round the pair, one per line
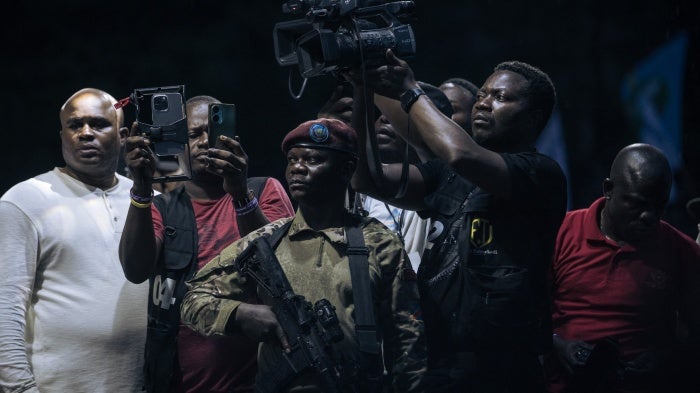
(310, 330)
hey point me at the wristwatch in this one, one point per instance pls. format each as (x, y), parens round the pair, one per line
(241, 203)
(409, 97)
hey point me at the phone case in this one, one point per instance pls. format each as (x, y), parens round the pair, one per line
(166, 108)
(222, 121)
(160, 112)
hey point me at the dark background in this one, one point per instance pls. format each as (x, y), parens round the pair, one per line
(225, 49)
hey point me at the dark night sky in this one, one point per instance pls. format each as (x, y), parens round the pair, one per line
(224, 49)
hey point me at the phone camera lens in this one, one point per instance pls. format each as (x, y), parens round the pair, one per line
(217, 119)
(160, 103)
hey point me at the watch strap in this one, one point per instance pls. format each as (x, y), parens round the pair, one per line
(409, 97)
(240, 203)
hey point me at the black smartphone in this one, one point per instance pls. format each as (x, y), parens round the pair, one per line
(222, 121)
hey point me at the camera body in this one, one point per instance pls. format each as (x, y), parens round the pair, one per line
(342, 34)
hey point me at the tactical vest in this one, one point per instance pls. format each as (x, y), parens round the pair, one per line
(177, 264)
(480, 287)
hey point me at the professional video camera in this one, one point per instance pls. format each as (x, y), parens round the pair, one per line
(340, 34)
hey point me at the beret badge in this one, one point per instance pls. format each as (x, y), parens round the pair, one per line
(318, 133)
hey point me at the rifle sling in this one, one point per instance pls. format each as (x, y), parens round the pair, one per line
(365, 321)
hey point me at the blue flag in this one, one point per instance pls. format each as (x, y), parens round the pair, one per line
(653, 98)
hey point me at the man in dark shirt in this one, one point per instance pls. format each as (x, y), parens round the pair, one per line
(496, 205)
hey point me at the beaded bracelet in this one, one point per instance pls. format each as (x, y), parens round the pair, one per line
(249, 207)
(139, 204)
(140, 199)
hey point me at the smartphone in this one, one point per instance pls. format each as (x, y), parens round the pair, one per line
(160, 106)
(160, 112)
(166, 108)
(222, 121)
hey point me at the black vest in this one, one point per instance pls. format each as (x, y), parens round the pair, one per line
(177, 264)
(482, 282)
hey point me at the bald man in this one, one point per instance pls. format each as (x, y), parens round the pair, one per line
(69, 319)
(623, 281)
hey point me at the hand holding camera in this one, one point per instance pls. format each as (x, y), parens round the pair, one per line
(338, 106)
(393, 79)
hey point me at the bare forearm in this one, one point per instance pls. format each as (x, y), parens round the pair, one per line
(138, 247)
(452, 144)
(386, 183)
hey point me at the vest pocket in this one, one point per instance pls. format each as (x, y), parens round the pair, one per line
(498, 307)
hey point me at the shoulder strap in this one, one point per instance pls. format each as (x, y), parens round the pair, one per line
(178, 215)
(278, 233)
(365, 321)
(464, 244)
(167, 287)
(257, 184)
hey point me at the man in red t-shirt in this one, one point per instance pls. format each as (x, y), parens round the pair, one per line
(218, 203)
(623, 282)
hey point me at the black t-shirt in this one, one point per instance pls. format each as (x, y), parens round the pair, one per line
(502, 249)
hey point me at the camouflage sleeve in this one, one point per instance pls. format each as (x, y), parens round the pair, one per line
(404, 340)
(216, 291)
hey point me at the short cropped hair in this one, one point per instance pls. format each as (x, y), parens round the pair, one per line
(470, 87)
(541, 88)
(202, 99)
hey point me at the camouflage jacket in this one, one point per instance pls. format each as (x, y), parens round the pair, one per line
(316, 265)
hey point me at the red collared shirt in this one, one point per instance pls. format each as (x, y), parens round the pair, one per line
(602, 289)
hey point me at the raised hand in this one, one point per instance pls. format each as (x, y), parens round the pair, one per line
(337, 106)
(228, 160)
(140, 159)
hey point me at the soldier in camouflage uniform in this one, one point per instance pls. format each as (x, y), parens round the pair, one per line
(320, 162)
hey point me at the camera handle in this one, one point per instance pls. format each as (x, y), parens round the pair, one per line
(296, 97)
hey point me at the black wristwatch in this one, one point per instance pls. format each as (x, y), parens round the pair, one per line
(241, 203)
(409, 97)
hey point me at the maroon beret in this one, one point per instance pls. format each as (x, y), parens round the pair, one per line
(322, 133)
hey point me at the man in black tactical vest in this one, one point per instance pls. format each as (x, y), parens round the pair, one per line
(496, 205)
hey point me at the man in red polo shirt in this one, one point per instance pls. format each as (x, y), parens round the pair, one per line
(623, 281)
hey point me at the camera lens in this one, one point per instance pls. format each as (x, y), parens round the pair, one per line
(215, 112)
(160, 103)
